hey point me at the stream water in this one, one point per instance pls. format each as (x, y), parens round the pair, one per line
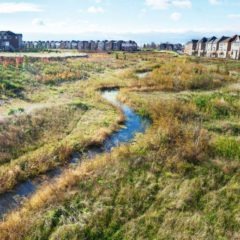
(143, 74)
(133, 124)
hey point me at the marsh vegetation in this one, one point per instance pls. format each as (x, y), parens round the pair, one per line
(179, 180)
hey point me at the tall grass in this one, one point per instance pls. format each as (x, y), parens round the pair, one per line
(177, 181)
(178, 75)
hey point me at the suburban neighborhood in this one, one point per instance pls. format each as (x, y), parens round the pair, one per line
(83, 45)
(166, 46)
(10, 41)
(213, 47)
(224, 47)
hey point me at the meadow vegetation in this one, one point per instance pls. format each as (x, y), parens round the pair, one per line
(179, 180)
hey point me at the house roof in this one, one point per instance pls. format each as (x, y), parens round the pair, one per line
(236, 37)
(218, 40)
(212, 39)
(192, 41)
(9, 33)
(203, 40)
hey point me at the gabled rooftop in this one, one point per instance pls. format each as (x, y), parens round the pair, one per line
(212, 39)
(218, 40)
(192, 41)
(203, 40)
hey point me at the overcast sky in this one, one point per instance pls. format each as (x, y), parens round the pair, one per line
(144, 20)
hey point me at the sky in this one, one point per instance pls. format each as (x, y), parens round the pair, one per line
(140, 20)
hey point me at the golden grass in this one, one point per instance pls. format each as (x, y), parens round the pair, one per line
(87, 128)
(48, 194)
(167, 184)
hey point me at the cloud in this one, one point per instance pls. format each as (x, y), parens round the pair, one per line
(12, 7)
(164, 4)
(95, 9)
(176, 16)
(214, 2)
(182, 3)
(234, 16)
(38, 22)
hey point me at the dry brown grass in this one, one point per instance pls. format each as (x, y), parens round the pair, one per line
(178, 75)
(18, 223)
(164, 185)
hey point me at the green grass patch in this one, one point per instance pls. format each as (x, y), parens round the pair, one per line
(227, 147)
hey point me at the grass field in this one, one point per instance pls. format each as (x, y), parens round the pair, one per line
(179, 180)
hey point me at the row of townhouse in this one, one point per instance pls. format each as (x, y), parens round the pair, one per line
(83, 45)
(10, 41)
(224, 47)
(164, 46)
(171, 47)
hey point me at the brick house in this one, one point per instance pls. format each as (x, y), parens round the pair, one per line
(10, 41)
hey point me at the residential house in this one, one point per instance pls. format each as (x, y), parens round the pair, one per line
(35, 44)
(10, 41)
(209, 47)
(80, 45)
(130, 46)
(93, 46)
(74, 44)
(109, 45)
(170, 47)
(117, 45)
(52, 45)
(178, 47)
(166, 47)
(215, 45)
(225, 47)
(235, 48)
(62, 45)
(58, 44)
(191, 48)
(101, 46)
(201, 47)
(83, 45)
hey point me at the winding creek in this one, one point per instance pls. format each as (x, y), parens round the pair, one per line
(133, 124)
